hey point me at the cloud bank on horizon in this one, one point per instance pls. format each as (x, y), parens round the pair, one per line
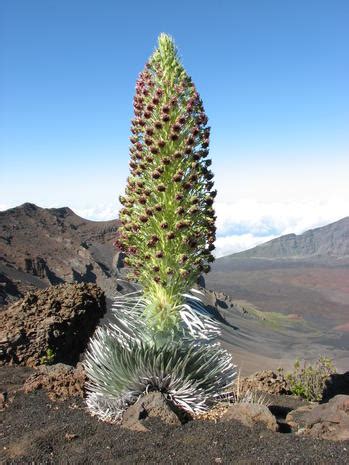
(245, 223)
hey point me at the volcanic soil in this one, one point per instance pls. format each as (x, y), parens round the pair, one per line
(37, 430)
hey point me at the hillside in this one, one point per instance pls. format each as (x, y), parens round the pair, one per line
(306, 275)
(42, 246)
(331, 240)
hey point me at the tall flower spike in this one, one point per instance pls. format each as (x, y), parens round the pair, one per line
(172, 141)
(163, 337)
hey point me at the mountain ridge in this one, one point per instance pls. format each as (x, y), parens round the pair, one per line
(331, 240)
(43, 246)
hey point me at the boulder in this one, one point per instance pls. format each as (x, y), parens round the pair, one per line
(265, 381)
(250, 414)
(50, 325)
(324, 421)
(151, 405)
(60, 381)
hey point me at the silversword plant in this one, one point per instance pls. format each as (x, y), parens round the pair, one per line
(162, 337)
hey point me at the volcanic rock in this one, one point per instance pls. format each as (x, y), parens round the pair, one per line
(324, 421)
(265, 381)
(60, 381)
(250, 414)
(50, 325)
(150, 405)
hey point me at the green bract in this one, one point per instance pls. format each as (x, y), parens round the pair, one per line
(167, 217)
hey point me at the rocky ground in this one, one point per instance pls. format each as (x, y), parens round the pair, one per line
(35, 429)
(43, 418)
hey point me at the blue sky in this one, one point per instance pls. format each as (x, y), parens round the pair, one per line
(273, 75)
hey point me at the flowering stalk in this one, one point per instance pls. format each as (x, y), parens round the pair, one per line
(168, 222)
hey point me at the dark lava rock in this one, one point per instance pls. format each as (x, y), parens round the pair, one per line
(50, 325)
(151, 405)
(337, 383)
(324, 421)
(60, 381)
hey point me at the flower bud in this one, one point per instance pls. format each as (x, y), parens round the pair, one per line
(181, 225)
(183, 258)
(155, 174)
(178, 176)
(187, 185)
(154, 150)
(183, 273)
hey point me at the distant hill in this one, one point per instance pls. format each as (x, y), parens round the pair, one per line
(306, 274)
(42, 246)
(331, 240)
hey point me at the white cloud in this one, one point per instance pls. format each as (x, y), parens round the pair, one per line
(248, 222)
(226, 245)
(99, 212)
(4, 206)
